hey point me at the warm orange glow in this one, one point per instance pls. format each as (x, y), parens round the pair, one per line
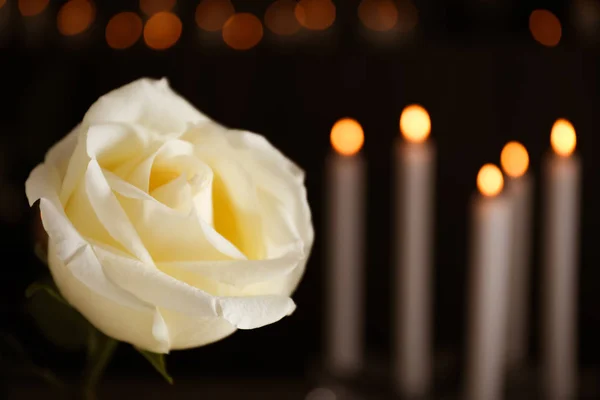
(490, 180)
(280, 18)
(211, 15)
(242, 31)
(514, 159)
(408, 16)
(315, 15)
(162, 30)
(415, 123)
(378, 15)
(123, 30)
(151, 7)
(347, 136)
(75, 16)
(545, 27)
(563, 138)
(29, 8)
(2, 3)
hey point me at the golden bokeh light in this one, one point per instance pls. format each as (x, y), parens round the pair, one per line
(347, 136)
(280, 17)
(415, 123)
(123, 30)
(408, 16)
(545, 27)
(315, 15)
(211, 15)
(563, 138)
(162, 30)
(490, 180)
(75, 17)
(242, 31)
(29, 8)
(514, 159)
(378, 15)
(151, 7)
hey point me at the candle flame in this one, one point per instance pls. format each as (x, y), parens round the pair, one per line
(489, 180)
(415, 123)
(514, 159)
(347, 136)
(563, 138)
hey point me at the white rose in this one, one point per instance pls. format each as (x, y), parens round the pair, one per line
(167, 230)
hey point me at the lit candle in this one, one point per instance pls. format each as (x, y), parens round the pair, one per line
(345, 250)
(415, 169)
(519, 188)
(491, 240)
(562, 171)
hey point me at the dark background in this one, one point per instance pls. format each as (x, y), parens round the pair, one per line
(472, 63)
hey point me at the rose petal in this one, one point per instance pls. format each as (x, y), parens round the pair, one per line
(145, 101)
(59, 154)
(237, 273)
(109, 308)
(78, 273)
(235, 207)
(176, 194)
(156, 287)
(187, 332)
(168, 234)
(111, 214)
(113, 144)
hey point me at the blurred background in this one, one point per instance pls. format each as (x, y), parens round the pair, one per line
(487, 71)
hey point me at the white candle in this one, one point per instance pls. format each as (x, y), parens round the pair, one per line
(562, 171)
(489, 269)
(345, 250)
(415, 169)
(519, 188)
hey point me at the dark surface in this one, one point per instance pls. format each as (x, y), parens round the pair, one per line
(474, 67)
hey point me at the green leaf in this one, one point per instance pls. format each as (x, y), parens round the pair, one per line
(158, 362)
(60, 323)
(41, 253)
(100, 349)
(36, 287)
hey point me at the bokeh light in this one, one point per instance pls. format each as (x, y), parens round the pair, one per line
(408, 16)
(162, 30)
(347, 136)
(378, 15)
(280, 17)
(211, 15)
(151, 7)
(315, 15)
(242, 31)
(415, 123)
(514, 159)
(2, 3)
(490, 180)
(75, 17)
(29, 8)
(123, 30)
(545, 27)
(563, 138)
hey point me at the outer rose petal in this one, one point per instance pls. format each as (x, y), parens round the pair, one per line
(128, 324)
(284, 181)
(145, 101)
(156, 287)
(79, 276)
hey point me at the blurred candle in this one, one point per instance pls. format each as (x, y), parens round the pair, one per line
(491, 233)
(345, 251)
(519, 188)
(562, 170)
(415, 168)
